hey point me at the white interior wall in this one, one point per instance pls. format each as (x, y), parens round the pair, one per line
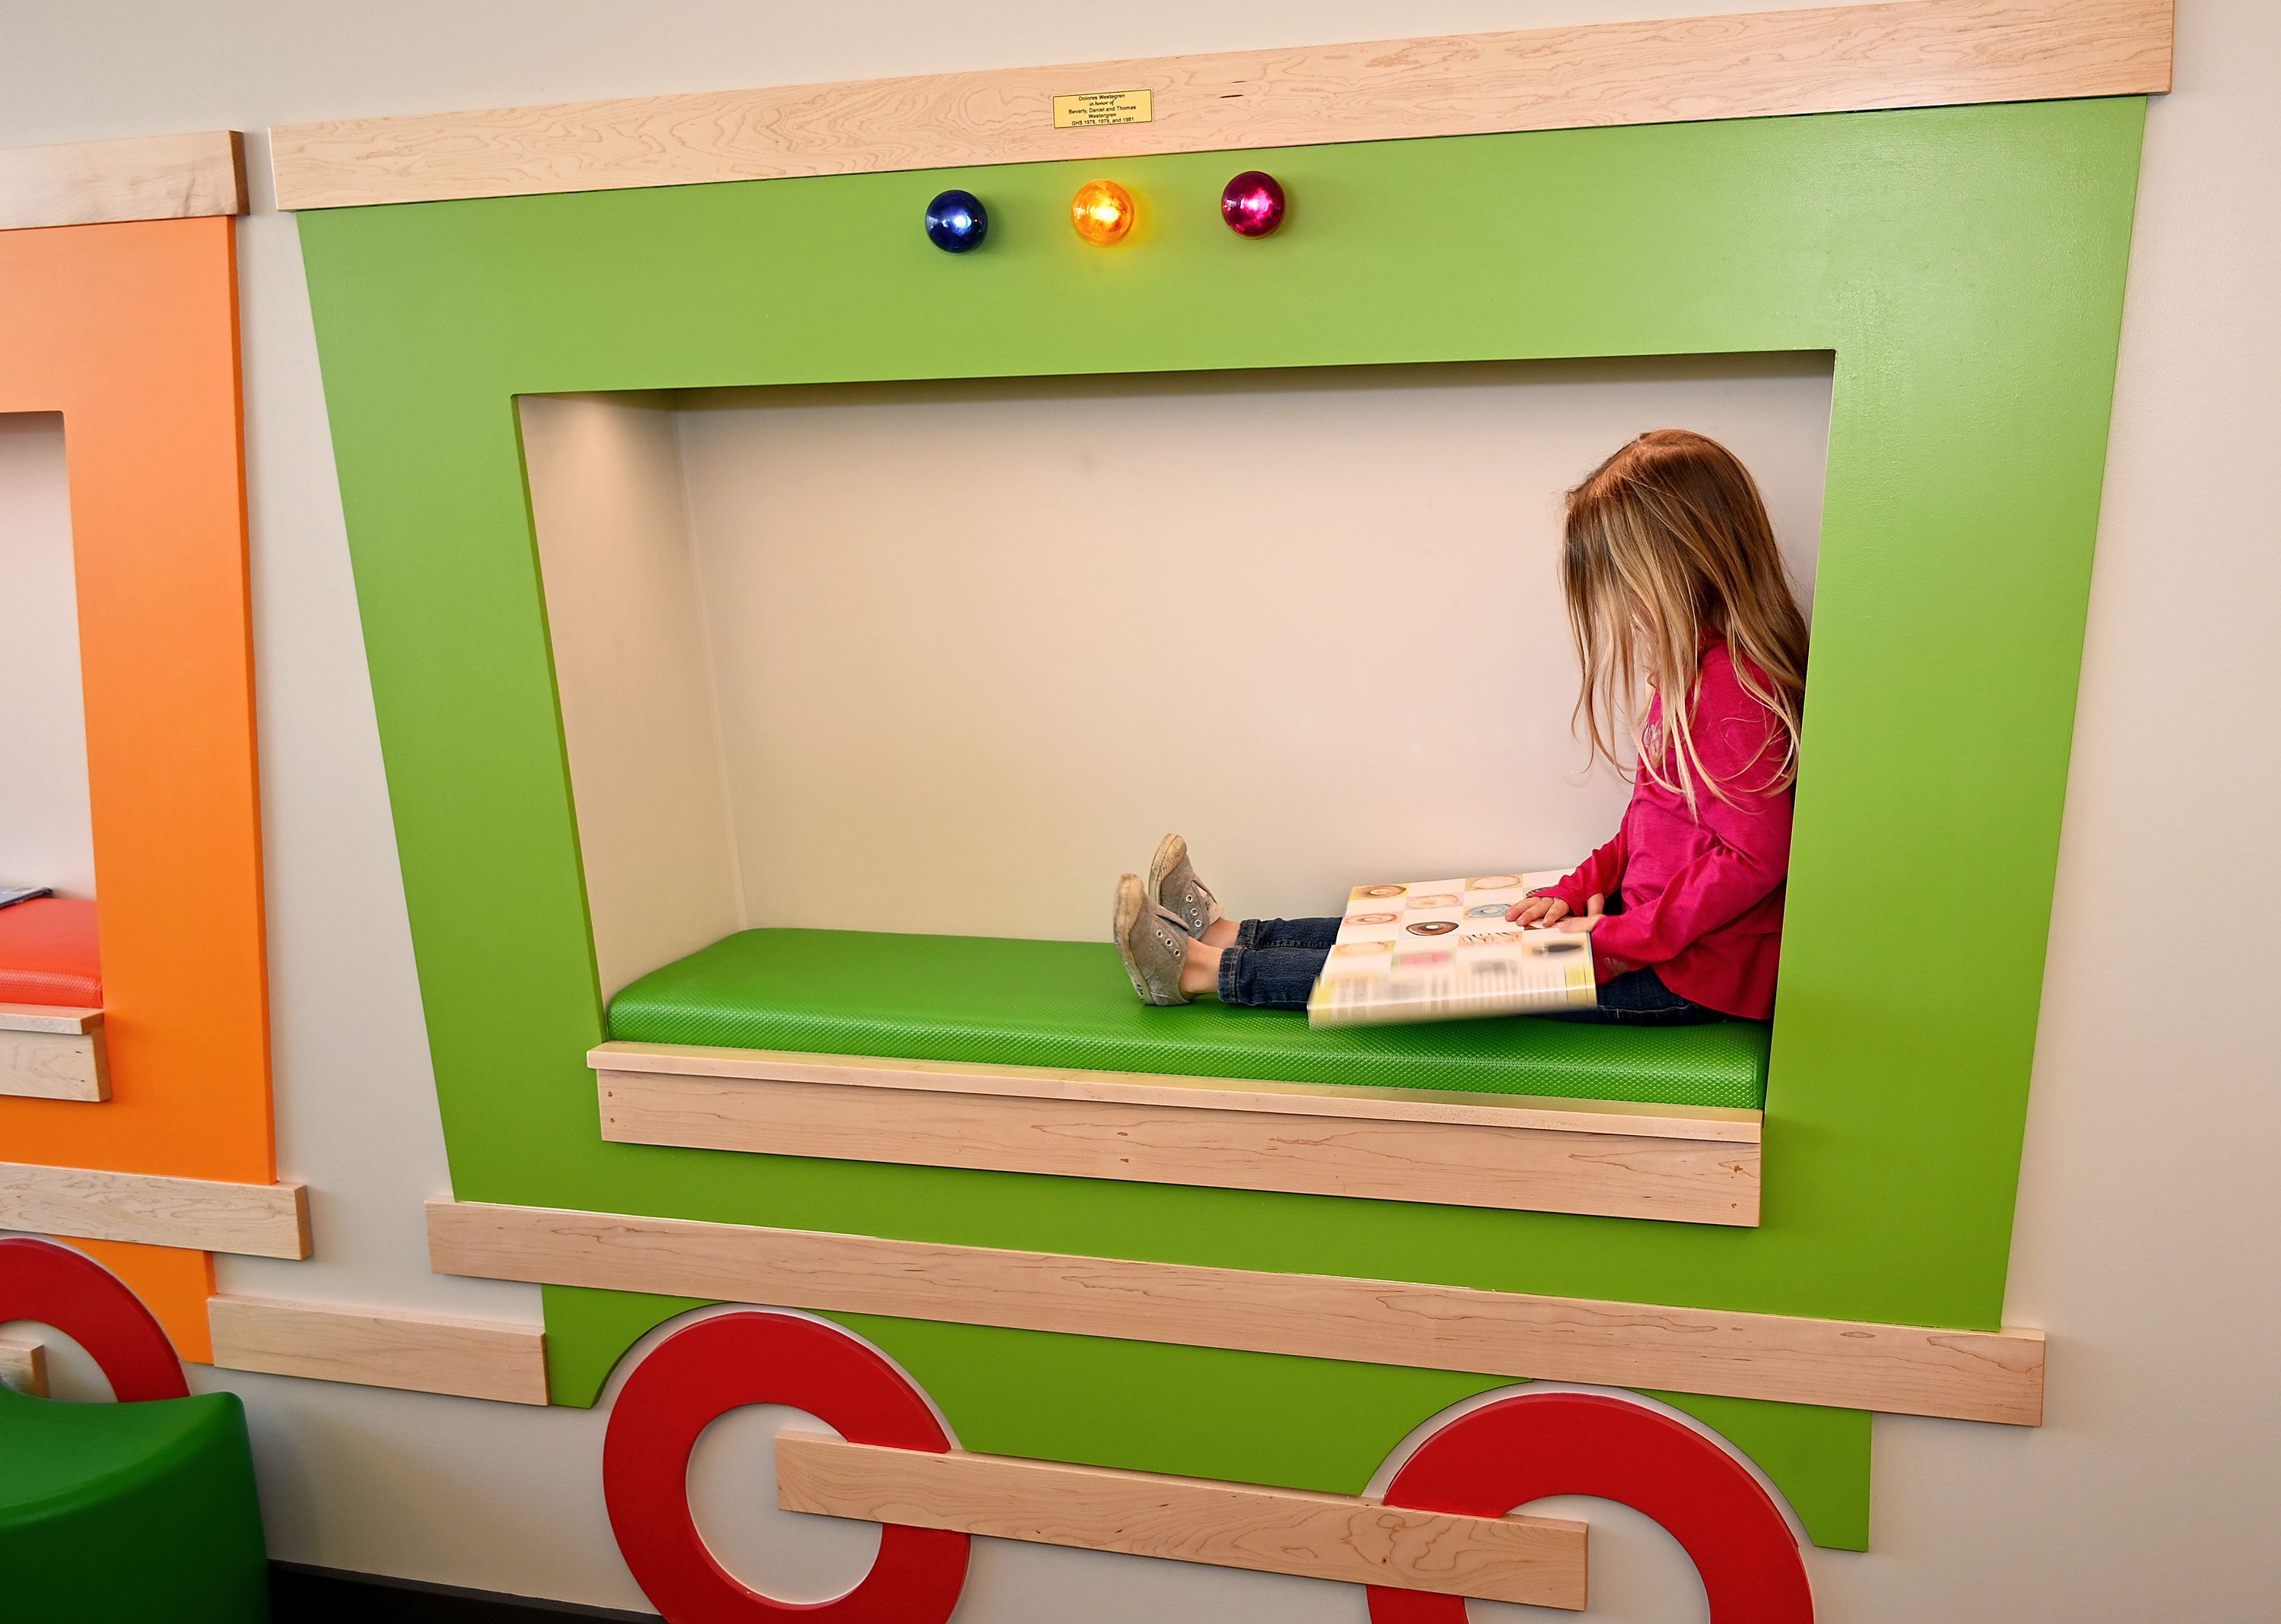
(978, 645)
(2149, 1227)
(630, 670)
(45, 837)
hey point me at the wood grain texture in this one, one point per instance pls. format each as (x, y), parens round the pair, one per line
(49, 1017)
(24, 1365)
(1909, 54)
(140, 177)
(55, 1065)
(380, 1347)
(1444, 1163)
(1503, 1110)
(206, 1215)
(1968, 1375)
(1539, 1560)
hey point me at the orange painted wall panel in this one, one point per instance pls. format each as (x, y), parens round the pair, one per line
(130, 331)
(173, 1284)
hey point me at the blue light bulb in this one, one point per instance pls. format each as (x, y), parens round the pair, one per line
(956, 221)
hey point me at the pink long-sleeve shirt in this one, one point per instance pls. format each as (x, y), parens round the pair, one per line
(1703, 889)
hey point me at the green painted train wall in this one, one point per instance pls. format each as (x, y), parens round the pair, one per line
(1965, 268)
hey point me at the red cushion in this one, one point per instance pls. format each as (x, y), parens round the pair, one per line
(48, 954)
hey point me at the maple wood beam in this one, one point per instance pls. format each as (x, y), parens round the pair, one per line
(1537, 1560)
(380, 1347)
(1480, 1150)
(1910, 53)
(138, 177)
(53, 1052)
(205, 1215)
(1909, 1370)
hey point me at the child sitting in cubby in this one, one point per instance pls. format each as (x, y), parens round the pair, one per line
(1674, 587)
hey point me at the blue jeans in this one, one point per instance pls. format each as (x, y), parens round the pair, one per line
(1274, 963)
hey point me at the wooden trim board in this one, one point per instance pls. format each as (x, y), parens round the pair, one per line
(139, 177)
(1502, 1110)
(24, 1365)
(54, 1065)
(1968, 1375)
(380, 1347)
(205, 1215)
(67, 1018)
(1162, 1135)
(1911, 53)
(1538, 1560)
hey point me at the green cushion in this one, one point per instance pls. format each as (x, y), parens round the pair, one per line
(1067, 1003)
(129, 1513)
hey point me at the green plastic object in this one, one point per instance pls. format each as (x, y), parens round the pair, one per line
(1965, 268)
(129, 1513)
(1067, 1003)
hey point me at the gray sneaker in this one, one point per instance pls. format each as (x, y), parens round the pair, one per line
(1151, 943)
(1172, 881)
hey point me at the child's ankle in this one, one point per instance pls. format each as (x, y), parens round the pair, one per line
(1200, 971)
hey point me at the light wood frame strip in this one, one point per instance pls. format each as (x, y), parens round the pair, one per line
(207, 1215)
(1904, 53)
(380, 1347)
(1721, 1124)
(55, 1063)
(1968, 1375)
(1534, 1560)
(138, 177)
(24, 1365)
(66, 1018)
(1058, 1123)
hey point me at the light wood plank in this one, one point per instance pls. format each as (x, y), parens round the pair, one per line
(139, 177)
(1539, 1560)
(380, 1347)
(1443, 1163)
(1501, 1110)
(41, 1066)
(49, 1017)
(206, 1215)
(1970, 1375)
(1840, 59)
(24, 1365)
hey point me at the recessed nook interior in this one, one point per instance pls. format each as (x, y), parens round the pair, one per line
(947, 656)
(46, 835)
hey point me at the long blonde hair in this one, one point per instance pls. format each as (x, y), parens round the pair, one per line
(1666, 540)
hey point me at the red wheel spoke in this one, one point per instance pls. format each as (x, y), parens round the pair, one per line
(86, 1301)
(707, 1369)
(1532, 1446)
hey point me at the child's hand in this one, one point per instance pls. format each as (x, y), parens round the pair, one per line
(1535, 913)
(1583, 923)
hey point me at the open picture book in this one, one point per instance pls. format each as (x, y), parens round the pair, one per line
(1441, 950)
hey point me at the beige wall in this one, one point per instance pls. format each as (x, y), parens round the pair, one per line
(634, 680)
(948, 708)
(2147, 1240)
(44, 834)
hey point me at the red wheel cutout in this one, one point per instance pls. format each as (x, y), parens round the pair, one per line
(1534, 1445)
(715, 1365)
(86, 1301)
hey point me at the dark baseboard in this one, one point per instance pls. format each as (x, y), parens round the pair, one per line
(302, 1595)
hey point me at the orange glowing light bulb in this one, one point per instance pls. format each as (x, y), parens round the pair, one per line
(1102, 212)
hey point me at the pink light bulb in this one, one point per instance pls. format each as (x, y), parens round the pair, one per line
(1252, 204)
